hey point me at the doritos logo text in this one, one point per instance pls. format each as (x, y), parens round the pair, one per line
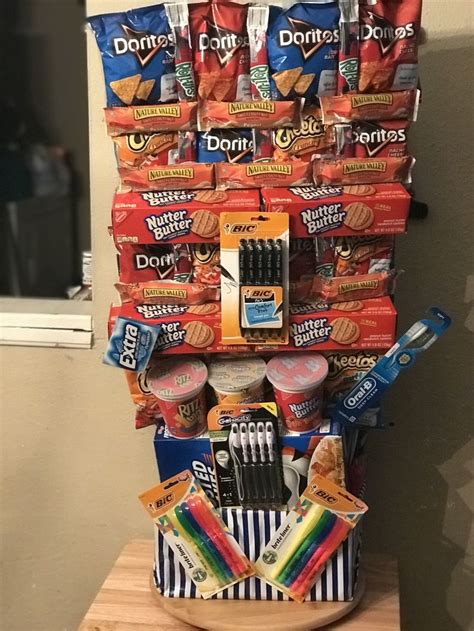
(385, 33)
(143, 44)
(223, 42)
(308, 37)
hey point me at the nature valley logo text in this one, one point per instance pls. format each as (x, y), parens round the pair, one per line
(253, 170)
(258, 106)
(163, 292)
(357, 167)
(362, 100)
(356, 285)
(163, 174)
(159, 111)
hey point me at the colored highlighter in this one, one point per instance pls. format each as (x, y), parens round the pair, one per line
(303, 583)
(315, 512)
(198, 543)
(209, 523)
(208, 543)
(316, 538)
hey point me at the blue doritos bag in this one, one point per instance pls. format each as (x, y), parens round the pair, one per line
(225, 145)
(303, 48)
(138, 56)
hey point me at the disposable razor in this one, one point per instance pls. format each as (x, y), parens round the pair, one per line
(236, 453)
(403, 353)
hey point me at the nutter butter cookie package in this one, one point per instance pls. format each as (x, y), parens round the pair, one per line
(341, 210)
(175, 216)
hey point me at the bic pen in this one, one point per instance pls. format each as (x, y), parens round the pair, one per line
(264, 465)
(257, 486)
(273, 468)
(209, 523)
(236, 452)
(246, 465)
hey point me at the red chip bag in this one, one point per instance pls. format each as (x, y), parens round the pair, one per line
(388, 47)
(140, 263)
(221, 50)
(387, 139)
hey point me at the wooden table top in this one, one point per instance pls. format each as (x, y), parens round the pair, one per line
(126, 603)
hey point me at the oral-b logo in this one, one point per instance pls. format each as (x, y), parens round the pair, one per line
(130, 345)
(361, 393)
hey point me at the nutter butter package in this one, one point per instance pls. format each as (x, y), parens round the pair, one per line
(175, 216)
(137, 51)
(341, 210)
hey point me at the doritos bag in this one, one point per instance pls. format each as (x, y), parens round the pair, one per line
(221, 50)
(225, 145)
(138, 56)
(303, 45)
(388, 48)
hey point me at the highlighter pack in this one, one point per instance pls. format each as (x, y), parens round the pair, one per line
(194, 531)
(318, 524)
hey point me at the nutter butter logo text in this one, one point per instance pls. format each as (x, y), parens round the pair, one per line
(323, 217)
(169, 225)
(309, 193)
(171, 334)
(309, 332)
(165, 198)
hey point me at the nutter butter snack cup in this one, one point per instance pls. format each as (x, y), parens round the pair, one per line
(178, 384)
(298, 385)
(238, 380)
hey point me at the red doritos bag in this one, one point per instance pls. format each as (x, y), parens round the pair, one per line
(388, 48)
(221, 50)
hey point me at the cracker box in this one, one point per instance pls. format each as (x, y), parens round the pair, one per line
(175, 216)
(373, 325)
(356, 210)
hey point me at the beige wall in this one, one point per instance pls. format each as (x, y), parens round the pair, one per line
(72, 464)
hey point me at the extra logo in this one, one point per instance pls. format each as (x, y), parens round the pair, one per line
(222, 41)
(308, 37)
(130, 347)
(376, 138)
(379, 29)
(143, 44)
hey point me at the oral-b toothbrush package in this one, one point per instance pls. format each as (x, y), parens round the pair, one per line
(197, 535)
(321, 520)
(246, 454)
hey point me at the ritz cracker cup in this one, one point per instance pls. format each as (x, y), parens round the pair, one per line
(238, 380)
(298, 385)
(178, 384)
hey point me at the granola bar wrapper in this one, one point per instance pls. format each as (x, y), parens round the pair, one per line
(260, 114)
(149, 119)
(343, 289)
(156, 177)
(363, 171)
(263, 174)
(385, 106)
(167, 293)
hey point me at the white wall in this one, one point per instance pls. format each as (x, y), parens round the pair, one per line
(72, 464)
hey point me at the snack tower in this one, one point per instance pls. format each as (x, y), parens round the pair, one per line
(264, 173)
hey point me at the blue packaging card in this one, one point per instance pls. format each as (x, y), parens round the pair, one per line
(303, 48)
(225, 145)
(137, 51)
(131, 344)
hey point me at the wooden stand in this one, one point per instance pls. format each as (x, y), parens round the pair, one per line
(126, 603)
(222, 615)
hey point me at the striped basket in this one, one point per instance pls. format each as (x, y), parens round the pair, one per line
(253, 529)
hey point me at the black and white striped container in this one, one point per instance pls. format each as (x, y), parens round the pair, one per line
(253, 529)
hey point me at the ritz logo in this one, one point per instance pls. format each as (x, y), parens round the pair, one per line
(240, 228)
(384, 33)
(144, 45)
(161, 502)
(308, 37)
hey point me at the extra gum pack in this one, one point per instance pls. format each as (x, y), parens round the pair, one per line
(254, 278)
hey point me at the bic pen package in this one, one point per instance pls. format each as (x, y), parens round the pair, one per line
(367, 392)
(246, 454)
(310, 534)
(254, 278)
(196, 534)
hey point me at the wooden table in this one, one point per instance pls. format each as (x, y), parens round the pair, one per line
(126, 603)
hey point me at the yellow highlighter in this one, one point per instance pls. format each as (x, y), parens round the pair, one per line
(314, 514)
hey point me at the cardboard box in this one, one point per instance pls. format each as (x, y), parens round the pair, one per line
(175, 216)
(334, 211)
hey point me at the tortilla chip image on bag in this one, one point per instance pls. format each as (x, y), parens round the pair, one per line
(137, 55)
(303, 44)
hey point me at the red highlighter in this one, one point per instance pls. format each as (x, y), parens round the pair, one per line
(304, 581)
(209, 523)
